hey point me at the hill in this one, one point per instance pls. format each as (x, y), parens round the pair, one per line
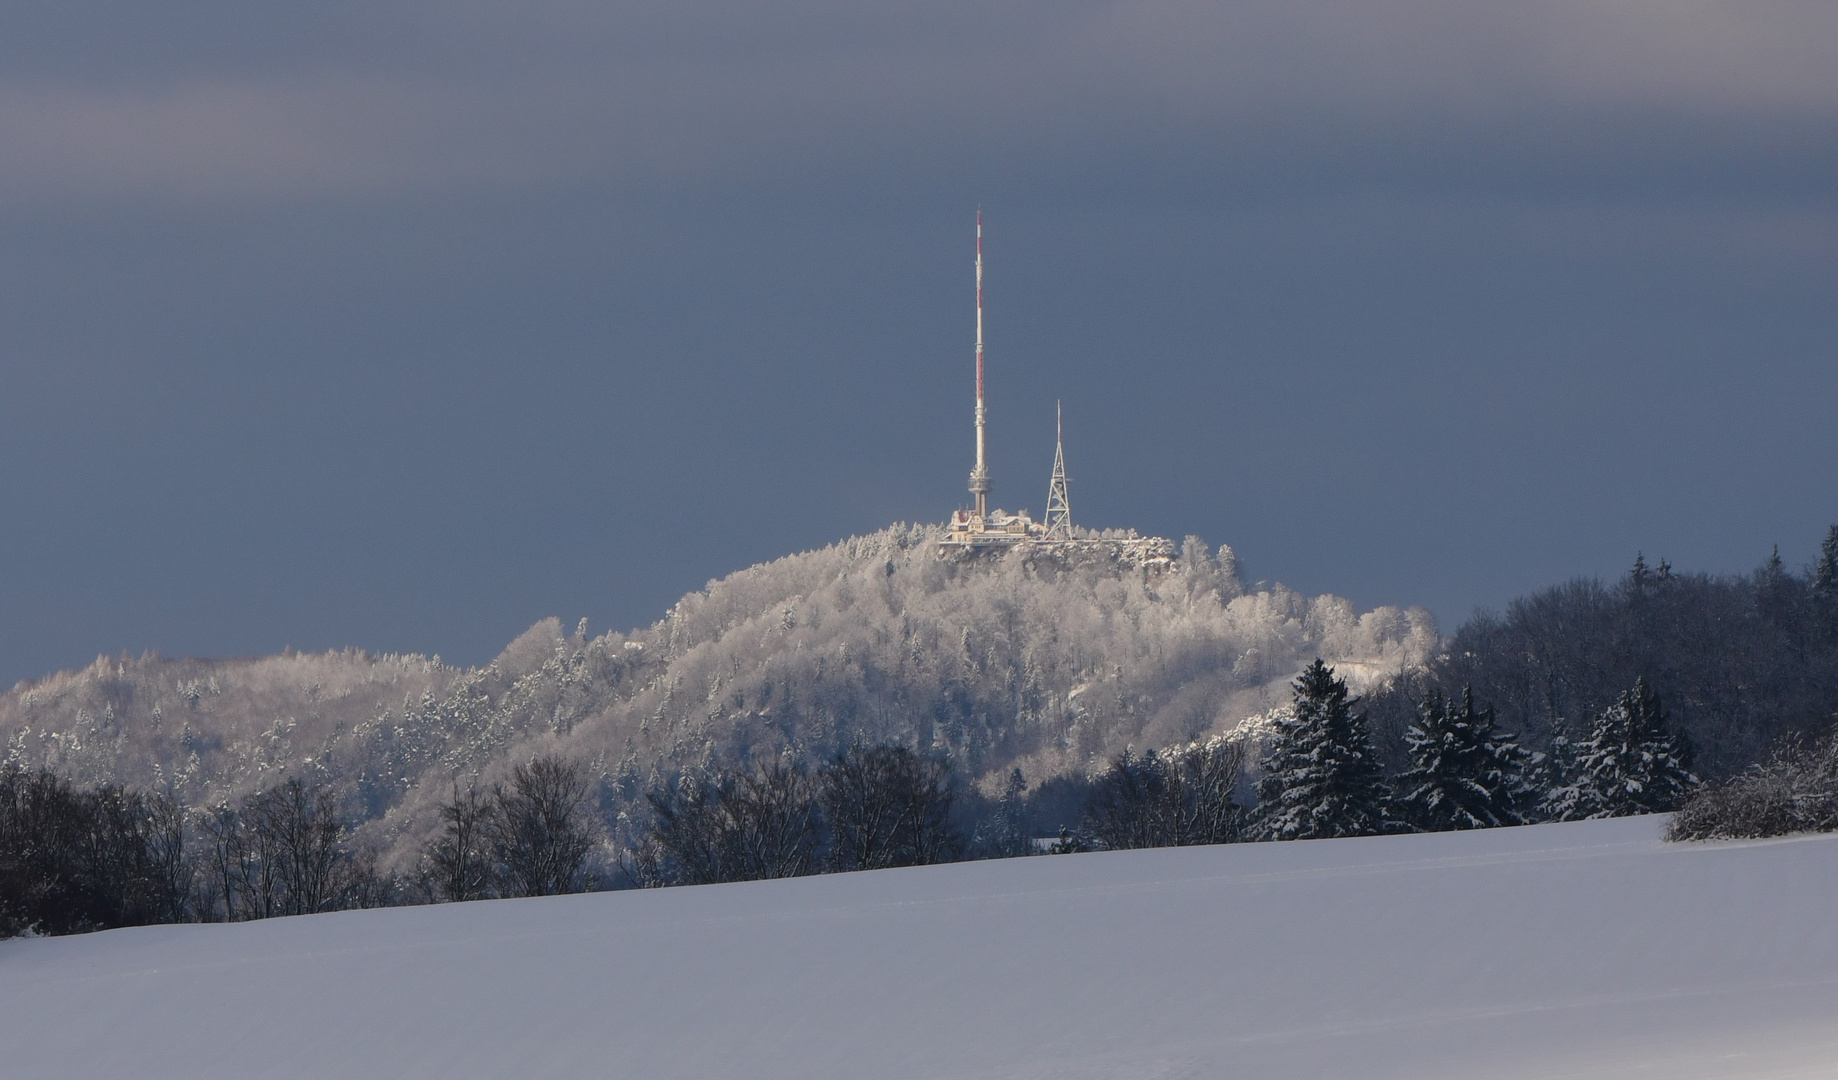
(1044, 659)
(1580, 950)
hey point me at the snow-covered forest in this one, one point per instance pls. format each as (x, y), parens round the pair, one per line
(881, 702)
(1048, 663)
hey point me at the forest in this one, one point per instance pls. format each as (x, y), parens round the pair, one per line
(1041, 661)
(871, 704)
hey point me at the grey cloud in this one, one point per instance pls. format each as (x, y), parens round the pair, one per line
(405, 323)
(409, 98)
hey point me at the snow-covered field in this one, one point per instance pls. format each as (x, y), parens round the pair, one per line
(1576, 950)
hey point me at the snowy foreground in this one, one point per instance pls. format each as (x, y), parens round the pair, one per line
(1576, 950)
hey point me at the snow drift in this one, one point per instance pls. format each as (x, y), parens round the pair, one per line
(1576, 950)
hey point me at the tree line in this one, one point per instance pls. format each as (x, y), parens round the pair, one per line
(1319, 775)
(869, 807)
(73, 861)
(1549, 712)
(1746, 661)
(1045, 662)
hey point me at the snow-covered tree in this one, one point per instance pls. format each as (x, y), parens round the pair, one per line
(1632, 762)
(1552, 778)
(1795, 790)
(1639, 577)
(1465, 774)
(1042, 659)
(1321, 777)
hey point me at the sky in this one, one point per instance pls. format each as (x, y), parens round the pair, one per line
(402, 325)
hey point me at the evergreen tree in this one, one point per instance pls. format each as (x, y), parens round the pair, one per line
(1321, 777)
(1632, 762)
(1005, 834)
(1825, 573)
(1777, 600)
(1773, 570)
(1553, 775)
(1465, 774)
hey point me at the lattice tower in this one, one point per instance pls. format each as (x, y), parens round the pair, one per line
(1059, 502)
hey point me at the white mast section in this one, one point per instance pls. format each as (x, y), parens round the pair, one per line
(1059, 503)
(979, 477)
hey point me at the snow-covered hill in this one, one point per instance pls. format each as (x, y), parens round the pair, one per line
(1034, 660)
(1577, 950)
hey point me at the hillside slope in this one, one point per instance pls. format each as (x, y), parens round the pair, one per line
(1045, 662)
(1578, 950)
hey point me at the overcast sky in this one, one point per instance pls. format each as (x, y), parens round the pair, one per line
(402, 325)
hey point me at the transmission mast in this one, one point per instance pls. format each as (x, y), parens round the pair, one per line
(979, 476)
(1059, 503)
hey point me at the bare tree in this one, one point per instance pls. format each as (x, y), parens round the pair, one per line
(538, 835)
(888, 806)
(730, 827)
(686, 844)
(300, 825)
(228, 866)
(459, 859)
(281, 851)
(131, 854)
(1171, 799)
(172, 867)
(772, 822)
(74, 860)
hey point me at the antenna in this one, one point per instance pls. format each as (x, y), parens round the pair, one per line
(1059, 505)
(979, 476)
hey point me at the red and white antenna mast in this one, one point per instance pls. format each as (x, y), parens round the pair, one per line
(979, 477)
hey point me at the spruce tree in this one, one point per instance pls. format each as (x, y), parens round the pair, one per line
(1633, 762)
(1774, 569)
(1005, 834)
(1321, 777)
(1465, 774)
(1775, 594)
(1825, 572)
(1554, 775)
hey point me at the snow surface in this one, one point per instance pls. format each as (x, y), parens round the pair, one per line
(1578, 950)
